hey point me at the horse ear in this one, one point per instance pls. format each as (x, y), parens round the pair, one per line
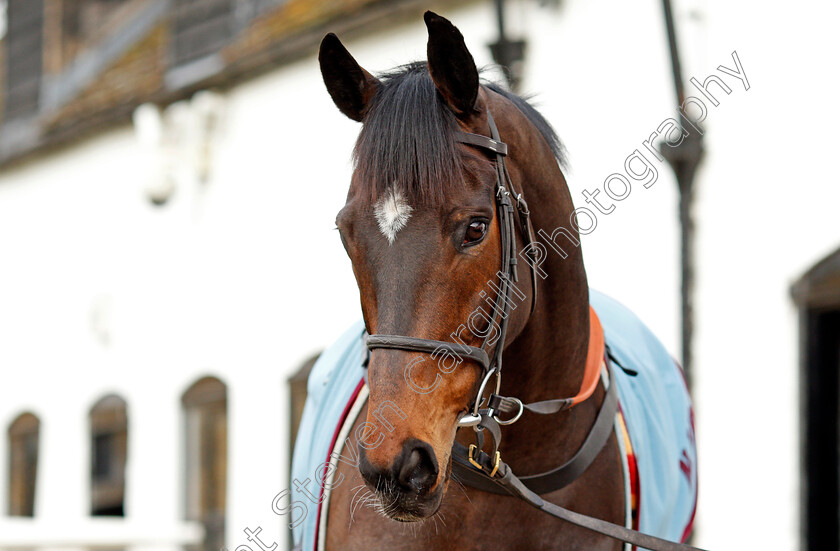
(451, 65)
(350, 86)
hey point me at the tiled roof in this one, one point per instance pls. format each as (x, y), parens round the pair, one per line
(141, 72)
(134, 78)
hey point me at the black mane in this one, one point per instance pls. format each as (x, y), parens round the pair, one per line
(408, 136)
(536, 119)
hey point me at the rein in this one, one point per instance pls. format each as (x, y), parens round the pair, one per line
(486, 471)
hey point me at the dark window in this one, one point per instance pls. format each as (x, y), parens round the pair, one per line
(83, 20)
(80, 18)
(205, 416)
(71, 18)
(103, 457)
(818, 297)
(108, 454)
(23, 464)
(200, 28)
(24, 57)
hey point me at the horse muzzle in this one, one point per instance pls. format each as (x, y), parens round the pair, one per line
(408, 490)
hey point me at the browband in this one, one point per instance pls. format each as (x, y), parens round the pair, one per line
(483, 141)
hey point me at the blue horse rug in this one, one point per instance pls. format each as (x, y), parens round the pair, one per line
(655, 428)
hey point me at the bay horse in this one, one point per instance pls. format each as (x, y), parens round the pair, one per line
(435, 224)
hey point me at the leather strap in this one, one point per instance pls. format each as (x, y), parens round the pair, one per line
(495, 145)
(506, 479)
(559, 477)
(413, 344)
(483, 141)
(494, 475)
(591, 372)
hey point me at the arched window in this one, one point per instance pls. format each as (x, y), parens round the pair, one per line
(297, 390)
(108, 453)
(817, 295)
(23, 464)
(205, 414)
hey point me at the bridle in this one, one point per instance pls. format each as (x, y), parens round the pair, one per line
(507, 276)
(486, 471)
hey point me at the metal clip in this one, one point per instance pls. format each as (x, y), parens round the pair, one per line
(474, 418)
(469, 420)
(516, 417)
(522, 205)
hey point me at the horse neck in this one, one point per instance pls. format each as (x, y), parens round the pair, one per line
(547, 359)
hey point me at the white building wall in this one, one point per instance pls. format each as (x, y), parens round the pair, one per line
(243, 278)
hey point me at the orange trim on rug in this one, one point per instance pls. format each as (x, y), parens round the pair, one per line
(594, 359)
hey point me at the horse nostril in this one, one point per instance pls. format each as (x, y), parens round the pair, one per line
(369, 473)
(419, 469)
(415, 470)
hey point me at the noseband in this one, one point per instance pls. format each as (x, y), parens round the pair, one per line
(508, 275)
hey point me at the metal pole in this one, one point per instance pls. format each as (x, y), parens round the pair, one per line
(510, 54)
(684, 160)
(676, 68)
(500, 17)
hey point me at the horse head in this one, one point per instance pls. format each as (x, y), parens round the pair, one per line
(422, 228)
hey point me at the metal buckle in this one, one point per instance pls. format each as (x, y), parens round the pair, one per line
(473, 461)
(478, 466)
(496, 464)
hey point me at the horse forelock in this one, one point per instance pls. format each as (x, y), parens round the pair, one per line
(408, 143)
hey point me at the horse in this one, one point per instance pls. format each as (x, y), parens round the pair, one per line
(454, 284)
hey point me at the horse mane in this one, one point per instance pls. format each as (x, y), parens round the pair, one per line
(536, 118)
(408, 139)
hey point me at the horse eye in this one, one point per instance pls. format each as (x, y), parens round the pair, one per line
(475, 232)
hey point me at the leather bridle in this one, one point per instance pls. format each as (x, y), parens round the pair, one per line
(487, 471)
(507, 276)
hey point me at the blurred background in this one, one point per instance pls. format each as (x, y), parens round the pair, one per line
(170, 171)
